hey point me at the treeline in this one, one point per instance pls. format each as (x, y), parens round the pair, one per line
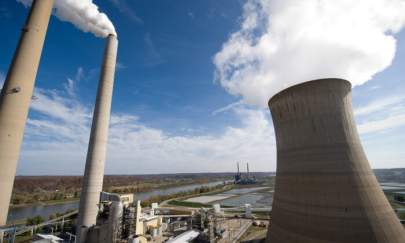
(36, 196)
(52, 183)
(390, 175)
(34, 189)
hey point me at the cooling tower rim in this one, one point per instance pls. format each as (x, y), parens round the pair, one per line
(306, 83)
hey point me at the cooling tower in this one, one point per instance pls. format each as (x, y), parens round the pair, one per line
(16, 96)
(96, 154)
(325, 190)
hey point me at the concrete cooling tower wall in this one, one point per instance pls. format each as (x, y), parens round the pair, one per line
(325, 189)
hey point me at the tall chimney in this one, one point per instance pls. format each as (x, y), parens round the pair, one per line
(94, 172)
(325, 189)
(16, 96)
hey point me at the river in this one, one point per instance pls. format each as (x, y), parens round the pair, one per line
(20, 213)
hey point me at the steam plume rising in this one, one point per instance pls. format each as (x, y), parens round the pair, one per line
(84, 14)
(285, 42)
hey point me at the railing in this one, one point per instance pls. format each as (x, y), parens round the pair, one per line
(16, 230)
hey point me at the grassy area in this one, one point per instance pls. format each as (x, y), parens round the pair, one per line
(188, 204)
(192, 204)
(262, 215)
(180, 201)
(23, 238)
(395, 205)
(254, 234)
(49, 202)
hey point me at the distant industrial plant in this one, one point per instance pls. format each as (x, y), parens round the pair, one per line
(246, 179)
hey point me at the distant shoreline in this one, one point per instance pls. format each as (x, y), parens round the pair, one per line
(46, 203)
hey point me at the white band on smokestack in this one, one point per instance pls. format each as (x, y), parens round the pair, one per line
(16, 96)
(94, 172)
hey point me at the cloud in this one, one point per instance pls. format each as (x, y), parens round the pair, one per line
(191, 15)
(2, 78)
(253, 141)
(71, 84)
(4, 12)
(153, 57)
(390, 122)
(381, 115)
(124, 8)
(61, 118)
(285, 42)
(229, 107)
(120, 66)
(57, 133)
(378, 105)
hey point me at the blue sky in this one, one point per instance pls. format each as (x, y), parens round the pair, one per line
(169, 113)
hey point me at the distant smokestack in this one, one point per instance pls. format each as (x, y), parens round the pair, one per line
(94, 171)
(325, 189)
(16, 96)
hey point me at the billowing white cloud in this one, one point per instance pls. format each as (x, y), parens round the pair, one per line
(285, 42)
(84, 14)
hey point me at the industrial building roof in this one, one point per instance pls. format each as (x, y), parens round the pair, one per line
(186, 237)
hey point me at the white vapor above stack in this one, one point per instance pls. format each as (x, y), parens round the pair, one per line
(281, 43)
(84, 14)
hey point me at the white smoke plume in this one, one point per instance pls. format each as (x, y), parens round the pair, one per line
(285, 42)
(84, 14)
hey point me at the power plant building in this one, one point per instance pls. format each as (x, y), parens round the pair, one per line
(325, 190)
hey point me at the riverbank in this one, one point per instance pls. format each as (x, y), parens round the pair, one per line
(46, 203)
(51, 190)
(61, 206)
(114, 190)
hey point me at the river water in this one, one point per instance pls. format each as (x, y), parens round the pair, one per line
(45, 211)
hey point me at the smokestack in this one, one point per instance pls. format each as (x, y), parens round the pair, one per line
(325, 189)
(247, 169)
(16, 96)
(237, 164)
(94, 171)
